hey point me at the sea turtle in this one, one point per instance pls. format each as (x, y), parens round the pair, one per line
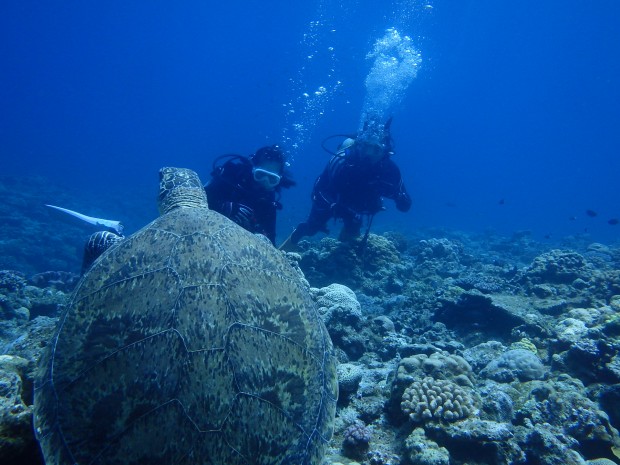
(192, 341)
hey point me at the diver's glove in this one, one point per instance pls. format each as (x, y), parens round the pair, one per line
(403, 201)
(239, 213)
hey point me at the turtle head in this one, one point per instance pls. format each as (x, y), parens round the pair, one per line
(180, 187)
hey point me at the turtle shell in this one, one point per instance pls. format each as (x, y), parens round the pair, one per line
(191, 342)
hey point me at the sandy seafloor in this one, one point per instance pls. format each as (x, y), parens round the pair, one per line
(453, 347)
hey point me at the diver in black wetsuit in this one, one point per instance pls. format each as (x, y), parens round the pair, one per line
(247, 189)
(355, 181)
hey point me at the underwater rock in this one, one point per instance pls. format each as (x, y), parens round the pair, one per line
(373, 268)
(609, 399)
(438, 365)
(589, 360)
(423, 451)
(482, 282)
(64, 281)
(383, 325)
(21, 301)
(17, 441)
(29, 339)
(45, 302)
(557, 267)
(545, 446)
(561, 403)
(440, 257)
(438, 248)
(369, 407)
(481, 355)
(468, 312)
(567, 275)
(12, 281)
(390, 345)
(497, 404)
(349, 377)
(12, 299)
(381, 457)
(479, 441)
(21, 344)
(600, 462)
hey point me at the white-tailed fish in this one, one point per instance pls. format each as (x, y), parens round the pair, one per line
(115, 225)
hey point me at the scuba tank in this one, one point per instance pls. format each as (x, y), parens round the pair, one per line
(348, 141)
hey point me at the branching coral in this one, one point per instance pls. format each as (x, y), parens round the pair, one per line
(433, 399)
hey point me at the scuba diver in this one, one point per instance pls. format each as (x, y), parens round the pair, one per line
(247, 189)
(353, 184)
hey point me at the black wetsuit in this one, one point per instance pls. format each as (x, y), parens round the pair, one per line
(232, 186)
(349, 188)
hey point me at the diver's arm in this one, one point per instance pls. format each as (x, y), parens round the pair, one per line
(402, 199)
(267, 225)
(220, 189)
(395, 187)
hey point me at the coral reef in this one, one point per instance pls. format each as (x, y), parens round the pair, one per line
(356, 440)
(440, 400)
(371, 266)
(342, 315)
(337, 303)
(16, 438)
(453, 348)
(557, 267)
(349, 378)
(64, 281)
(479, 441)
(423, 451)
(521, 364)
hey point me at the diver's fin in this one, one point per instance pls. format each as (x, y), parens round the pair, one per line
(112, 224)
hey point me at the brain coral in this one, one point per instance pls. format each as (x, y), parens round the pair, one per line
(434, 399)
(514, 364)
(339, 302)
(349, 377)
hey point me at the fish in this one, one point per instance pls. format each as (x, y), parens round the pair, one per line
(613, 221)
(591, 213)
(572, 218)
(502, 201)
(117, 226)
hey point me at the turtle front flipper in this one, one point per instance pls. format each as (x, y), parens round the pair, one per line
(98, 243)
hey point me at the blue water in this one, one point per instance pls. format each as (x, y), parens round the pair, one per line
(511, 123)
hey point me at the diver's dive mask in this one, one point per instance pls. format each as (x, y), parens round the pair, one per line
(267, 179)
